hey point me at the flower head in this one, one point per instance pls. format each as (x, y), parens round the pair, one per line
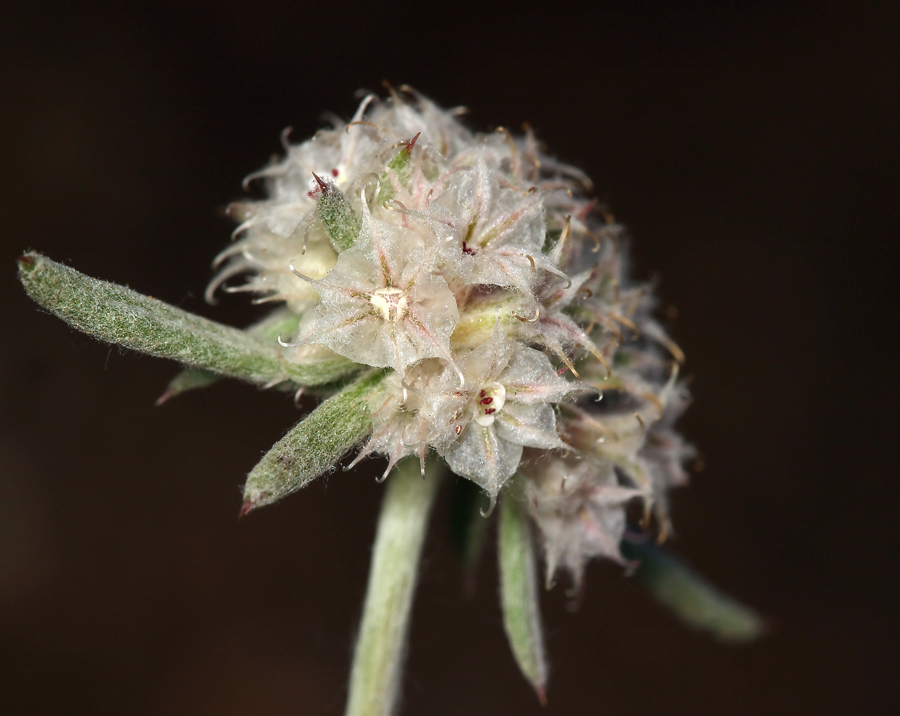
(475, 270)
(456, 297)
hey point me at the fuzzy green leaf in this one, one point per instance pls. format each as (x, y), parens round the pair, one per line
(692, 599)
(519, 594)
(313, 445)
(188, 379)
(115, 314)
(381, 646)
(281, 322)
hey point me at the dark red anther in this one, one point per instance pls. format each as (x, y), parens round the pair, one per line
(481, 394)
(486, 401)
(334, 173)
(490, 410)
(467, 250)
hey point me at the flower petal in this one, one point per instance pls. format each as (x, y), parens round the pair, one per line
(482, 457)
(528, 425)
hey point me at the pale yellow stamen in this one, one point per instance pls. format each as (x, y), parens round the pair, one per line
(390, 303)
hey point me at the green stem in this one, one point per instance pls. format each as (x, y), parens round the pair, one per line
(381, 646)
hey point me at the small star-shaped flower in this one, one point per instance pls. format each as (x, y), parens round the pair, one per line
(579, 508)
(381, 305)
(505, 403)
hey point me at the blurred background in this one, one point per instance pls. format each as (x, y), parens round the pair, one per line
(751, 152)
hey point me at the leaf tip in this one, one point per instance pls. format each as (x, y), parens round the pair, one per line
(323, 187)
(541, 693)
(248, 506)
(27, 262)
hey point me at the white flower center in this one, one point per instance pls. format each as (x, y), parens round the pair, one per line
(490, 399)
(391, 303)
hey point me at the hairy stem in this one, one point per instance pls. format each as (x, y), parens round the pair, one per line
(381, 646)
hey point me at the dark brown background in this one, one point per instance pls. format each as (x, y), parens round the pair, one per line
(751, 152)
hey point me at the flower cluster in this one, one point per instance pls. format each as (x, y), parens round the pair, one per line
(458, 302)
(474, 269)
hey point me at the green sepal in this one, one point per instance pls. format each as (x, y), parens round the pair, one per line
(399, 164)
(116, 314)
(551, 238)
(519, 594)
(341, 222)
(313, 445)
(690, 597)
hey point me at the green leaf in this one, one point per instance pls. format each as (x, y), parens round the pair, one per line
(115, 314)
(381, 646)
(692, 599)
(313, 445)
(188, 379)
(519, 594)
(281, 322)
